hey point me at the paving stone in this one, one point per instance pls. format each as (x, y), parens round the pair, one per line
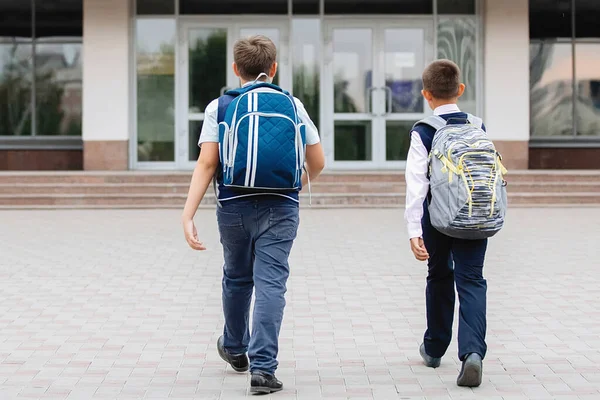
(113, 305)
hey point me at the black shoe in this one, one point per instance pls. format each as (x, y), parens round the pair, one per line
(471, 371)
(431, 362)
(239, 362)
(264, 383)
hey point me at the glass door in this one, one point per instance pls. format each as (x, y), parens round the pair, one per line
(205, 64)
(405, 50)
(205, 58)
(372, 90)
(350, 95)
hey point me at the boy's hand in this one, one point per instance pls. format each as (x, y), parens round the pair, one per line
(418, 248)
(191, 235)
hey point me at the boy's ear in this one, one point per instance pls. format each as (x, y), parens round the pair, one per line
(427, 94)
(461, 89)
(236, 71)
(273, 70)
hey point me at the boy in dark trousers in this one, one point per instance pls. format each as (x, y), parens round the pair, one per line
(257, 230)
(450, 260)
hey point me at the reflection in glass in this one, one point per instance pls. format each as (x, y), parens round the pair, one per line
(404, 63)
(207, 66)
(352, 141)
(271, 33)
(587, 79)
(156, 89)
(551, 86)
(58, 89)
(352, 66)
(306, 40)
(455, 6)
(397, 139)
(193, 136)
(457, 42)
(155, 7)
(15, 89)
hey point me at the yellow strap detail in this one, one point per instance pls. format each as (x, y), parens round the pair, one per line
(448, 164)
(502, 169)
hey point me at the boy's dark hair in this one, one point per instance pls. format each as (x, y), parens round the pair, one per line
(442, 79)
(254, 55)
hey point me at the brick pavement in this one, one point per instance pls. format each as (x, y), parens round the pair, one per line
(112, 305)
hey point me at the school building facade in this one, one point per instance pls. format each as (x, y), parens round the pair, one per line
(122, 84)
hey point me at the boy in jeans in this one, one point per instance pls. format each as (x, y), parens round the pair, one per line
(257, 231)
(450, 260)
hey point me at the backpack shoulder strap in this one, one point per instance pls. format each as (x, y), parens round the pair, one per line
(478, 122)
(435, 121)
(224, 102)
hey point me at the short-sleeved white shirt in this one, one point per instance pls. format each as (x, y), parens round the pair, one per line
(210, 126)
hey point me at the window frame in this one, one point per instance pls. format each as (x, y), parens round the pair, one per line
(52, 140)
(574, 139)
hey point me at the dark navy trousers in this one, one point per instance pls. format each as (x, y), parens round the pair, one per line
(454, 261)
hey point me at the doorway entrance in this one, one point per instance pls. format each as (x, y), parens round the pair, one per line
(205, 73)
(372, 89)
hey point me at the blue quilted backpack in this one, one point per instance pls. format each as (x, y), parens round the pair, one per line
(262, 141)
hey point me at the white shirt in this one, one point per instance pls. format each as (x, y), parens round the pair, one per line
(210, 126)
(417, 182)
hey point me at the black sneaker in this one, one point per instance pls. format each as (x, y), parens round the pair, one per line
(471, 371)
(239, 362)
(264, 383)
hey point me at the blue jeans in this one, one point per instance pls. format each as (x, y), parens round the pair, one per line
(257, 236)
(454, 261)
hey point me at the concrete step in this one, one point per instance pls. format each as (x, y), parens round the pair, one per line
(177, 188)
(99, 189)
(148, 189)
(318, 200)
(170, 177)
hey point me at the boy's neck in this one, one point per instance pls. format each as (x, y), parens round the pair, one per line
(244, 83)
(439, 103)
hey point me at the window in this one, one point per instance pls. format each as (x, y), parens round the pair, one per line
(587, 15)
(306, 7)
(155, 7)
(306, 45)
(456, 6)
(587, 86)
(233, 7)
(551, 92)
(550, 19)
(155, 56)
(40, 67)
(564, 68)
(378, 7)
(457, 41)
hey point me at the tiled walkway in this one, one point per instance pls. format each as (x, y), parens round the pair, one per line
(112, 304)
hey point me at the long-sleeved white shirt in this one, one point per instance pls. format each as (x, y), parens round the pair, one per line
(417, 182)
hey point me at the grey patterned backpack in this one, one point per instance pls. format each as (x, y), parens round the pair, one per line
(468, 191)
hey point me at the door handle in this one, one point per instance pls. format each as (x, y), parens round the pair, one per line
(368, 98)
(388, 98)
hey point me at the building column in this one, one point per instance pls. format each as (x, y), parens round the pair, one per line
(506, 70)
(106, 94)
